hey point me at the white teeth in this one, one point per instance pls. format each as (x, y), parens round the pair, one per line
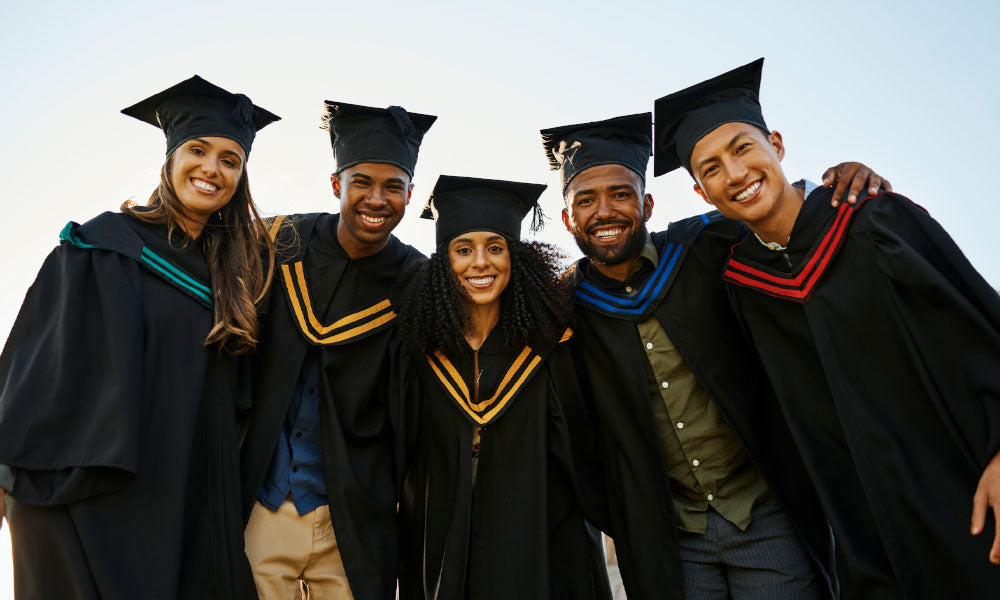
(481, 280)
(608, 233)
(750, 191)
(374, 220)
(204, 185)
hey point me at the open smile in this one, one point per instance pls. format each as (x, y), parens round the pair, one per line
(373, 221)
(608, 233)
(206, 187)
(749, 193)
(482, 281)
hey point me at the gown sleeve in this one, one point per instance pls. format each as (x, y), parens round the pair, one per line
(574, 435)
(403, 403)
(70, 379)
(952, 316)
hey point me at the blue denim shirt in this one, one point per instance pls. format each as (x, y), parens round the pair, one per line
(297, 464)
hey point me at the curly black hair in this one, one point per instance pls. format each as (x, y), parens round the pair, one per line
(534, 309)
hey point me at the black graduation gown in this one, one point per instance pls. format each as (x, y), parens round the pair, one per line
(883, 343)
(122, 424)
(339, 308)
(518, 530)
(685, 295)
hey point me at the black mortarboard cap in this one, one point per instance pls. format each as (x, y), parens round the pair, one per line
(196, 108)
(684, 117)
(361, 134)
(462, 204)
(621, 141)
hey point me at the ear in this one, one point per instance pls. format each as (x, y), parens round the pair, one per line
(778, 144)
(567, 223)
(335, 180)
(409, 192)
(701, 192)
(647, 207)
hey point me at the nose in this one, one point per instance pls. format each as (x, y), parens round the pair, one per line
(376, 197)
(479, 260)
(736, 172)
(605, 208)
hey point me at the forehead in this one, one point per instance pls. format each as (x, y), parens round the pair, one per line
(603, 177)
(477, 237)
(377, 171)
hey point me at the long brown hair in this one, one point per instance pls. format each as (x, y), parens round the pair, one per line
(232, 247)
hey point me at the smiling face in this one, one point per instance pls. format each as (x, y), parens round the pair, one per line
(373, 198)
(606, 211)
(481, 262)
(737, 168)
(204, 173)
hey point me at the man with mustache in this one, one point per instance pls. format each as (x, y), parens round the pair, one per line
(318, 456)
(690, 435)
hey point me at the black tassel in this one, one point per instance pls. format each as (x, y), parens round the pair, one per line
(402, 119)
(243, 111)
(537, 219)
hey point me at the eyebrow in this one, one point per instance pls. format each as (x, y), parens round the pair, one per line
(209, 144)
(731, 143)
(492, 238)
(613, 188)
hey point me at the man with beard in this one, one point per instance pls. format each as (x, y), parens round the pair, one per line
(318, 480)
(882, 342)
(690, 435)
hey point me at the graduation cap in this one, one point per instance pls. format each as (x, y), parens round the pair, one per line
(197, 108)
(619, 141)
(684, 117)
(462, 204)
(361, 134)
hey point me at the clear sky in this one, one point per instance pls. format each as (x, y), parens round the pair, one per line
(906, 87)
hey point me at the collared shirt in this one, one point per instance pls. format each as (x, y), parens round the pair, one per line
(297, 465)
(7, 478)
(702, 455)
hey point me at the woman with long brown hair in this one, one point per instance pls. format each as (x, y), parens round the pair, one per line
(124, 376)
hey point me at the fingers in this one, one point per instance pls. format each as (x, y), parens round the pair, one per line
(846, 173)
(979, 506)
(829, 176)
(886, 185)
(995, 550)
(858, 183)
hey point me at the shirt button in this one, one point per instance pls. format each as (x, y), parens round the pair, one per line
(312, 390)
(298, 434)
(649, 345)
(628, 289)
(665, 385)
(695, 462)
(710, 497)
(296, 470)
(680, 425)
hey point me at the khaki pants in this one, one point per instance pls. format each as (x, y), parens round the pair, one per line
(295, 556)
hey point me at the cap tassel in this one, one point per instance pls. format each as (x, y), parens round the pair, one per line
(402, 119)
(243, 111)
(537, 219)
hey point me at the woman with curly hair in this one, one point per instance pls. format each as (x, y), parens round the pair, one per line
(124, 376)
(488, 410)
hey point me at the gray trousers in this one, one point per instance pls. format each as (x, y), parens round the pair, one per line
(767, 561)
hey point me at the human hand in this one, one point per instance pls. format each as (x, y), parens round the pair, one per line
(988, 496)
(855, 175)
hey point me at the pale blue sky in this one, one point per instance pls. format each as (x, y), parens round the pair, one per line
(907, 87)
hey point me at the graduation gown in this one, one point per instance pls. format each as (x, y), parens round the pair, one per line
(339, 307)
(686, 296)
(121, 424)
(883, 343)
(514, 528)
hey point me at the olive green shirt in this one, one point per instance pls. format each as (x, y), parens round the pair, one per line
(703, 458)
